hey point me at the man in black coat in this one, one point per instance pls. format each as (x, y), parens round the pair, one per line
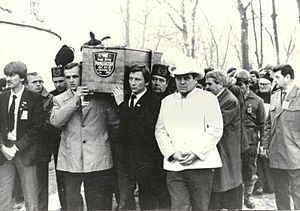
(60, 84)
(138, 156)
(21, 114)
(227, 191)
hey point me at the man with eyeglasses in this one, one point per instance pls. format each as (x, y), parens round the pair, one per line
(138, 156)
(187, 131)
(254, 122)
(84, 153)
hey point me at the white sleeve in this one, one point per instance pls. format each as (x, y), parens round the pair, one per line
(213, 123)
(162, 137)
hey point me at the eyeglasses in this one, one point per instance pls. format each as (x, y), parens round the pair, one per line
(263, 84)
(72, 76)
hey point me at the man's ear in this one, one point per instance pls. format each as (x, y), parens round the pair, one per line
(288, 76)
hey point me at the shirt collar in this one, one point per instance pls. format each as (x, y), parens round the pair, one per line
(139, 95)
(188, 95)
(289, 88)
(220, 92)
(44, 92)
(18, 94)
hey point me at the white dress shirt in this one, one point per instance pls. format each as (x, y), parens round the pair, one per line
(193, 123)
(138, 97)
(13, 134)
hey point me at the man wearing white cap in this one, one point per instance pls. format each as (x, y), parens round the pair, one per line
(188, 129)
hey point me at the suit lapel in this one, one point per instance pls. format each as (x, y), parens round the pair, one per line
(142, 99)
(292, 95)
(5, 108)
(222, 95)
(23, 103)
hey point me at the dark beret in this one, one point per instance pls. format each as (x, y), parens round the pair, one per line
(161, 70)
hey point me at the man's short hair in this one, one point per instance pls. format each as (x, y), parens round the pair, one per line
(218, 76)
(72, 65)
(255, 73)
(141, 68)
(30, 74)
(16, 67)
(285, 70)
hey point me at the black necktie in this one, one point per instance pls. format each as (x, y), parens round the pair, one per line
(11, 114)
(133, 96)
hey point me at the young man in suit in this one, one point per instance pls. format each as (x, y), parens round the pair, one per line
(21, 117)
(282, 139)
(227, 189)
(138, 156)
(84, 155)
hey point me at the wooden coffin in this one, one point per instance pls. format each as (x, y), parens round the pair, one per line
(103, 68)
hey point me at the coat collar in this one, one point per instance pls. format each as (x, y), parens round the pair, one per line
(292, 94)
(223, 94)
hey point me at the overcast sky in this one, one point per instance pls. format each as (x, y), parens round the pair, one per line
(74, 19)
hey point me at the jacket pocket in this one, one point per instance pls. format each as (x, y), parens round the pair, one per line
(296, 137)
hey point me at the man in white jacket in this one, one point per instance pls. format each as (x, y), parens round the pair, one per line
(188, 129)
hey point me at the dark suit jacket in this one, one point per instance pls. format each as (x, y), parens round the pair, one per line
(230, 174)
(138, 147)
(28, 131)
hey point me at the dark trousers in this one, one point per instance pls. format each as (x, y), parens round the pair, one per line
(43, 179)
(249, 167)
(265, 179)
(286, 183)
(27, 174)
(97, 190)
(190, 189)
(18, 194)
(60, 182)
(152, 188)
(231, 199)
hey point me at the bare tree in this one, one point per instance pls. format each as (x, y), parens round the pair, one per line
(144, 23)
(261, 35)
(258, 50)
(236, 48)
(182, 25)
(244, 33)
(290, 47)
(255, 37)
(273, 16)
(193, 44)
(211, 47)
(126, 20)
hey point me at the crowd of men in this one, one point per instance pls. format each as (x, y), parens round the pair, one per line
(181, 139)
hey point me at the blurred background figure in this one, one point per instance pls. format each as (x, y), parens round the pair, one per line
(254, 122)
(265, 181)
(254, 80)
(34, 83)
